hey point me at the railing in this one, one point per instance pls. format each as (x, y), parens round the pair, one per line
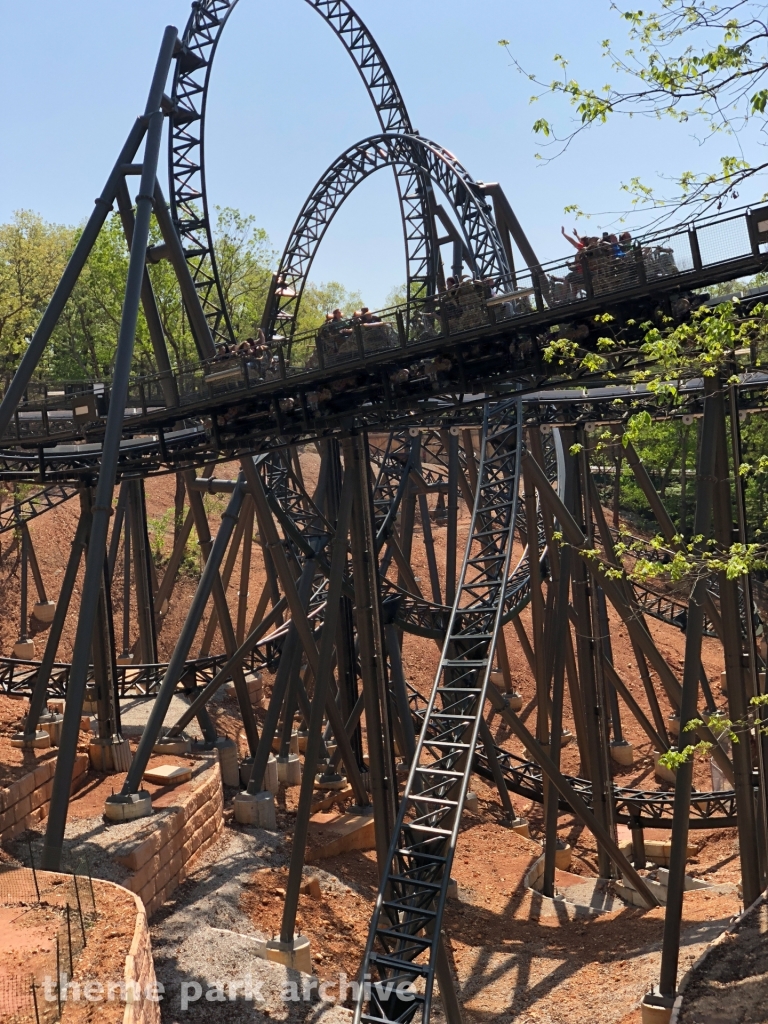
(728, 242)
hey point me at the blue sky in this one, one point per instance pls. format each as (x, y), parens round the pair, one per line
(286, 100)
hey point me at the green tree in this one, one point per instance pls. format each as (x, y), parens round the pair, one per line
(33, 254)
(320, 299)
(689, 60)
(245, 260)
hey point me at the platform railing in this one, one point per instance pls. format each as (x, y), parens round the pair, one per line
(598, 271)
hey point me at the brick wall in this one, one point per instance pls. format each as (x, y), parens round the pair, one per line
(26, 802)
(161, 861)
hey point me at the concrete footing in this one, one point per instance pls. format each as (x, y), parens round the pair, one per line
(471, 803)
(35, 741)
(289, 770)
(24, 650)
(110, 755)
(230, 769)
(173, 745)
(622, 752)
(673, 725)
(44, 611)
(294, 745)
(271, 781)
(563, 855)
(334, 832)
(256, 809)
(295, 955)
(52, 725)
(654, 1011)
(660, 771)
(128, 808)
(520, 825)
(515, 701)
(330, 780)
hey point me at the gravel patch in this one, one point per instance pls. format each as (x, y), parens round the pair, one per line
(203, 939)
(134, 715)
(91, 840)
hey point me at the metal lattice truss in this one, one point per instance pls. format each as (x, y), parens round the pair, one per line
(189, 201)
(426, 164)
(33, 506)
(405, 929)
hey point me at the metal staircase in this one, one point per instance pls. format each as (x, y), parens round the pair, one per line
(402, 949)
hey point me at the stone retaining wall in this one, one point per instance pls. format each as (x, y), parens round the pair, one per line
(140, 974)
(160, 861)
(25, 803)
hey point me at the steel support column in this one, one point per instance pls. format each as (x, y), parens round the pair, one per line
(702, 521)
(102, 511)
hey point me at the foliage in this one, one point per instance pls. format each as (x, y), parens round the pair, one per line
(34, 253)
(721, 727)
(689, 60)
(320, 299)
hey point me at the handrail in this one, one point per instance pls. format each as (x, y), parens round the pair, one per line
(738, 237)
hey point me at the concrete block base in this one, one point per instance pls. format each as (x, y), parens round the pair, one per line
(295, 955)
(257, 809)
(515, 701)
(337, 833)
(271, 781)
(471, 803)
(312, 888)
(330, 780)
(36, 741)
(24, 650)
(125, 659)
(173, 745)
(673, 725)
(110, 755)
(44, 611)
(453, 889)
(52, 725)
(563, 855)
(294, 744)
(128, 808)
(660, 771)
(520, 825)
(622, 753)
(230, 769)
(289, 770)
(654, 1013)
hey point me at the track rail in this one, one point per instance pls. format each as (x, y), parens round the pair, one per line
(189, 197)
(29, 508)
(405, 929)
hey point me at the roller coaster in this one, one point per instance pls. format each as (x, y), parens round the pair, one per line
(449, 398)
